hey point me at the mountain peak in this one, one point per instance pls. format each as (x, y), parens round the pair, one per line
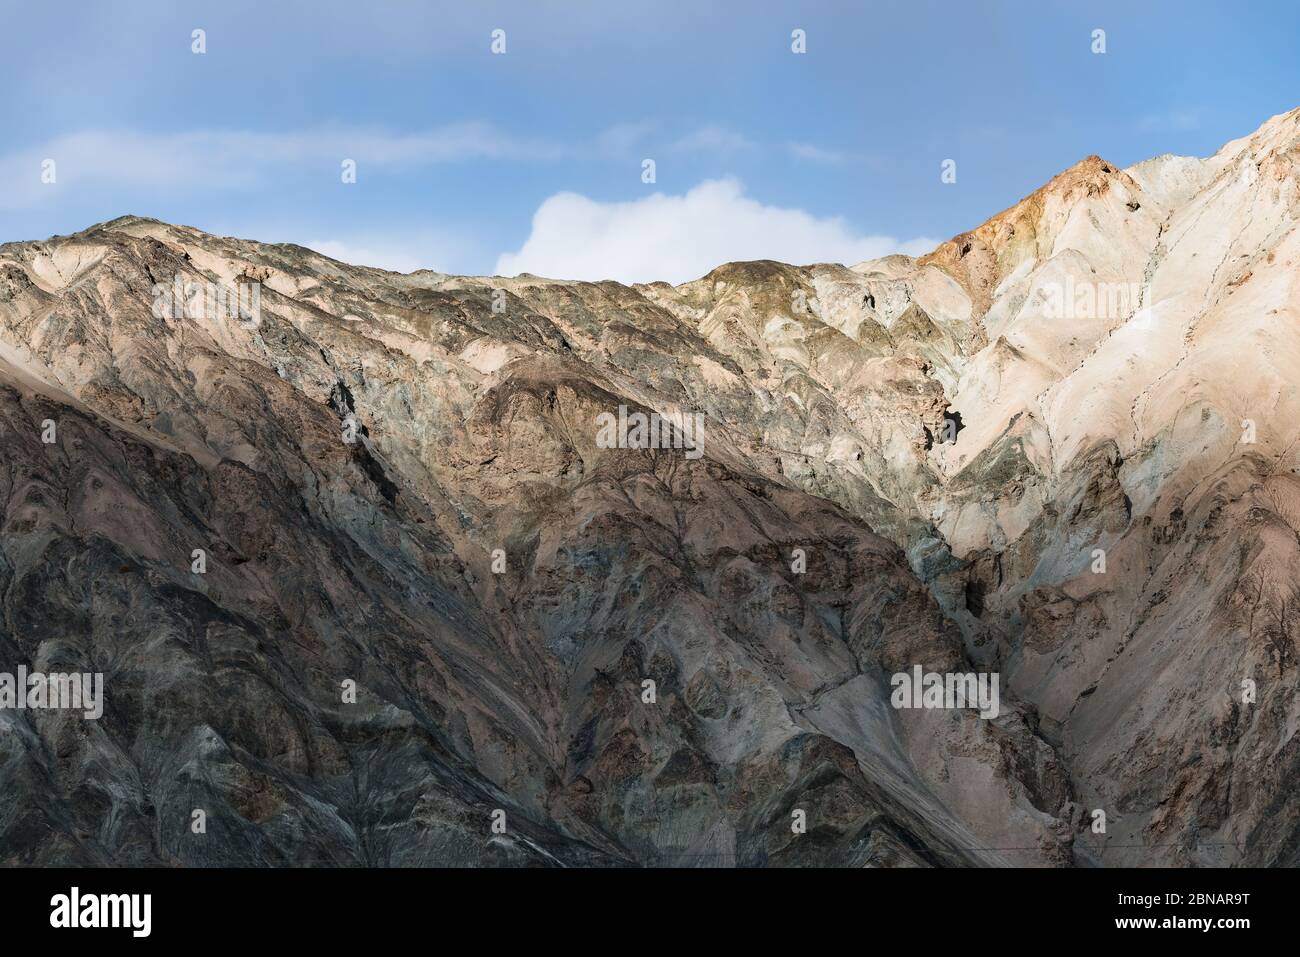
(980, 257)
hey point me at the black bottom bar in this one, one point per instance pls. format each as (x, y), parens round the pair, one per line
(744, 908)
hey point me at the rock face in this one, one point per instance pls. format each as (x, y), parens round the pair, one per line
(1061, 449)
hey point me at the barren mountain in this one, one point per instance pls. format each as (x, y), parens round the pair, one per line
(1061, 449)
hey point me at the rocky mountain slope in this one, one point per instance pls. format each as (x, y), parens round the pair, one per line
(1060, 448)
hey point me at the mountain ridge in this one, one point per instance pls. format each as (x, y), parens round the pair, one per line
(948, 440)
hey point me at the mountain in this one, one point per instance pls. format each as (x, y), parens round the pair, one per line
(368, 582)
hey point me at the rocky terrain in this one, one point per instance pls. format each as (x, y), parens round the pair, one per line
(1061, 448)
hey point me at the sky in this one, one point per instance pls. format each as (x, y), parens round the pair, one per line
(534, 159)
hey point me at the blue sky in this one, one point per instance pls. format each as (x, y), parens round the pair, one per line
(469, 161)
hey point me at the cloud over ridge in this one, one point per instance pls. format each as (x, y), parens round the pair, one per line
(677, 238)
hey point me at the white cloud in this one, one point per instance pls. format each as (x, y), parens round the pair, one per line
(711, 139)
(678, 238)
(205, 159)
(815, 154)
(621, 137)
(399, 259)
(220, 159)
(400, 249)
